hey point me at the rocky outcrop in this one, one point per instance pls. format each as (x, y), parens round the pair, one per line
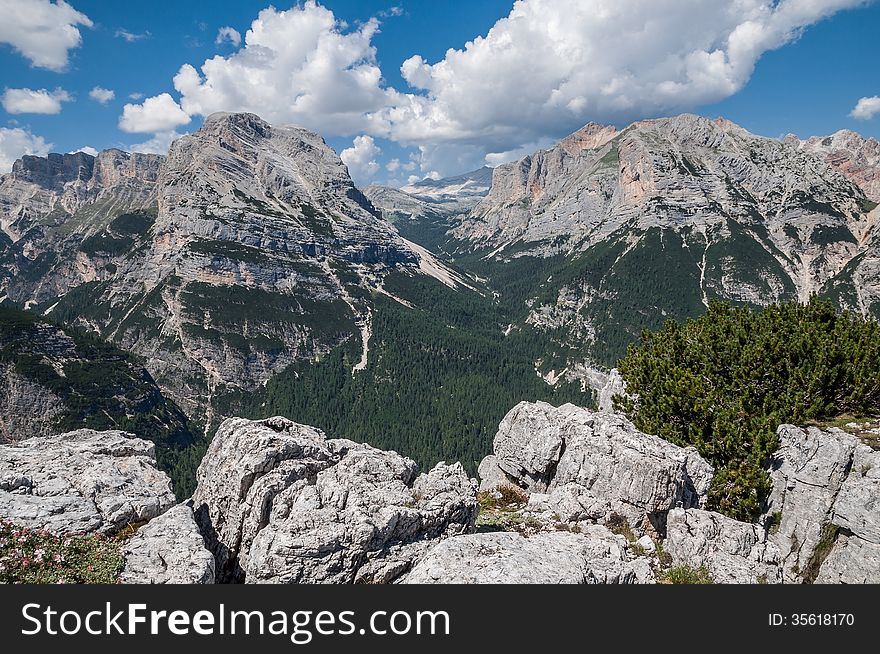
(281, 503)
(168, 550)
(595, 556)
(808, 473)
(590, 466)
(733, 552)
(80, 482)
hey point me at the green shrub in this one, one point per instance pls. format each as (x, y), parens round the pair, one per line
(725, 381)
(685, 574)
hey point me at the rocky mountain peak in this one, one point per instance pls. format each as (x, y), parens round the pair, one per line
(589, 137)
(849, 153)
(55, 170)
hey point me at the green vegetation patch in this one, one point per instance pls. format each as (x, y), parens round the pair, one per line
(37, 557)
(725, 381)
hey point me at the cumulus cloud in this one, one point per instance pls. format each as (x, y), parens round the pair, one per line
(228, 34)
(30, 101)
(361, 158)
(14, 142)
(135, 96)
(543, 71)
(866, 108)
(296, 66)
(157, 114)
(552, 65)
(87, 149)
(159, 144)
(42, 31)
(102, 95)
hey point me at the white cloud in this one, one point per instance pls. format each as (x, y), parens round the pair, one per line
(159, 144)
(229, 34)
(102, 95)
(393, 166)
(131, 37)
(541, 72)
(866, 108)
(87, 149)
(30, 101)
(297, 66)
(553, 65)
(135, 96)
(42, 31)
(15, 142)
(361, 158)
(157, 114)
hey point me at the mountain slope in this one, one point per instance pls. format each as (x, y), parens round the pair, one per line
(55, 379)
(257, 251)
(610, 231)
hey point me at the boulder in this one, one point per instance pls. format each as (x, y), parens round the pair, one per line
(823, 481)
(82, 481)
(592, 465)
(280, 503)
(851, 561)
(733, 552)
(491, 476)
(595, 556)
(168, 550)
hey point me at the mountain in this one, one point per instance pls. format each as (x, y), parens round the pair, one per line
(425, 211)
(611, 231)
(245, 250)
(57, 379)
(849, 153)
(454, 193)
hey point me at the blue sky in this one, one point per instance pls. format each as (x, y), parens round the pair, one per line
(543, 70)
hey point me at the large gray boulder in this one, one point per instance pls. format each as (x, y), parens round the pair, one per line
(825, 483)
(168, 550)
(851, 561)
(280, 503)
(591, 465)
(733, 552)
(82, 481)
(595, 556)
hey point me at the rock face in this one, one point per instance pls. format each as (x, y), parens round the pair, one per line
(594, 557)
(849, 153)
(80, 482)
(593, 465)
(280, 503)
(635, 227)
(823, 510)
(733, 552)
(168, 550)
